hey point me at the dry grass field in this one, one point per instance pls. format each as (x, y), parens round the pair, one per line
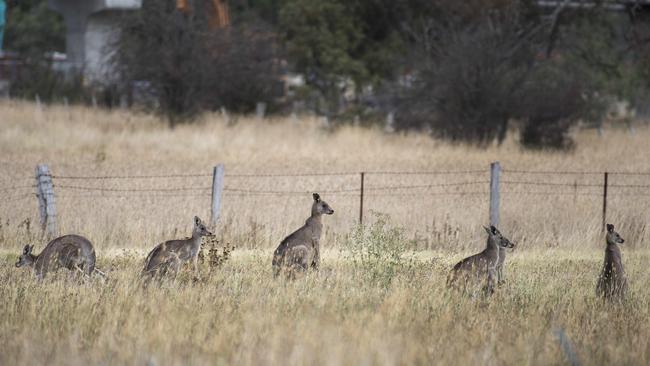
(354, 310)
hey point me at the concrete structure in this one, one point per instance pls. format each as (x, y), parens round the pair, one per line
(90, 27)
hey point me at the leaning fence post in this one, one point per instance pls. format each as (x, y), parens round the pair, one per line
(605, 201)
(46, 201)
(217, 189)
(363, 174)
(495, 174)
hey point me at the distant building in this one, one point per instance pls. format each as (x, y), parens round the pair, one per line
(91, 25)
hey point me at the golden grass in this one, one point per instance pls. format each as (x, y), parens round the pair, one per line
(239, 315)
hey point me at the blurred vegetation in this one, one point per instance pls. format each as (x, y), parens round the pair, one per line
(32, 28)
(463, 70)
(190, 67)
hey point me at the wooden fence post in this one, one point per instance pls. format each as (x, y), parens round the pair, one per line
(46, 201)
(363, 174)
(495, 174)
(605, 201)
(217, 189)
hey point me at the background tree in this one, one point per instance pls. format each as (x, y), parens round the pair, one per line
(188, 66)
(320, 38)
(32, 29)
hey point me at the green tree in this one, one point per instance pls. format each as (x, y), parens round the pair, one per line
(321, 38)
(32, 28)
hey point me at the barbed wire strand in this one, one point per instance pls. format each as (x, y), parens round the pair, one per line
(454, 184)
(240, 190)
(441, 172)
(8, 199)
(13, 188)
(132, 189)
(107, 177)
(550, 183)
(132, 195)
(567, 172)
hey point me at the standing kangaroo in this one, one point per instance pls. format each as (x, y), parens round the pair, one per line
(168, 256)
(73, 252)
(481, 266)
(612, 283)
(301, 249)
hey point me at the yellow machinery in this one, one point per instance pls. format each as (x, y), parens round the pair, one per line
(219, 14)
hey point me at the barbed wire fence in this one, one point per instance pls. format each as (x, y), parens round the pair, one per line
(493, 184)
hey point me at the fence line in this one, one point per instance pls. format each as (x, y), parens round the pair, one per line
(455, 184)
(441, 172)
(519, 184)
(106, 177)
(13, 188)
(550, 184)
(63, 186)
(549, 172)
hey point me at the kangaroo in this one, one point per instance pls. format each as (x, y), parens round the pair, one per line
(483, 265)
(168, 256)
(73, 252)
(301, 249)
(612, 283)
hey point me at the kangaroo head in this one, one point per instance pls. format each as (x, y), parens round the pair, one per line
(496, 237)
(27, 258)
(320, 207)
(612, 236)
(199, 228)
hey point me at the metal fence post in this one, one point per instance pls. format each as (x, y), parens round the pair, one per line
(46, 201)
(605, 201)
(363, 174)
(495, 174)
(217, 189)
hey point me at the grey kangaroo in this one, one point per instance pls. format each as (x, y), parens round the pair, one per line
(301, 249)
(73, 252)
(612, 283)
(168, 256)
(482, 266)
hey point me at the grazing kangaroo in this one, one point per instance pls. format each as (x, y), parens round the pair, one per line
(612, 283)
(168, 256)
(481, 266)
(301, 249)
(73, 252)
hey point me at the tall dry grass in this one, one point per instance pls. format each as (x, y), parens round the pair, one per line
(342, 315)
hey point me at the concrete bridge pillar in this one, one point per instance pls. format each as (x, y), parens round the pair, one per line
(82, 34)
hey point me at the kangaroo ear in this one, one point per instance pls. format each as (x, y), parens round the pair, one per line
(493, 229)
(27, 249)
(316, 197)
(610, 228)
(197, 221)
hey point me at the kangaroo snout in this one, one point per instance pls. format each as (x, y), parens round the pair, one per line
(330, 212)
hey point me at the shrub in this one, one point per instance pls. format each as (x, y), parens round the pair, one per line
(378, 250)
(551, 102)
(467, 77)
